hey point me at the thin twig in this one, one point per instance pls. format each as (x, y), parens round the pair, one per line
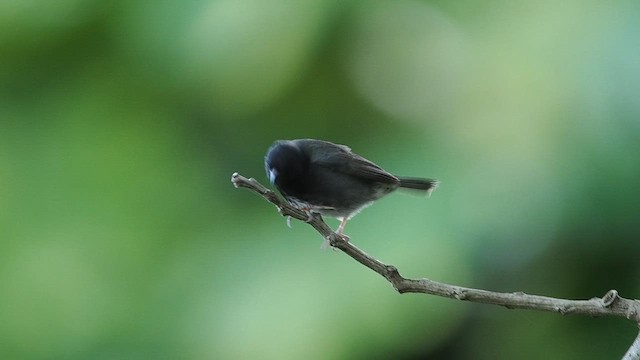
(611, 304)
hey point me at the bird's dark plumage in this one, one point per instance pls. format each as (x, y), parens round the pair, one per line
(330, 179)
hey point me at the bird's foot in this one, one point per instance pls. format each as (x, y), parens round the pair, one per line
(343, 236)
(309, 216)
(306, 210)
(336, 236)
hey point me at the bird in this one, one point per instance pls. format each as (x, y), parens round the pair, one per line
(319, 176)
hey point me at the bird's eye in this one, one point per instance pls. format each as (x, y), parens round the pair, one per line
(273, 174)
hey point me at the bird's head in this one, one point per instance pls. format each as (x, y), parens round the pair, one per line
(285, 164)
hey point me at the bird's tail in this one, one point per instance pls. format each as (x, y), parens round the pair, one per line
(427, 185)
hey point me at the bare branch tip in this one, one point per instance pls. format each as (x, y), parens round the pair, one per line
(234, 179)
(609, 298)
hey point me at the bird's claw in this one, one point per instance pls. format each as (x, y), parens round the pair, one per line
(309, 216)
(308, 212)
(345, 237)
(327, 243)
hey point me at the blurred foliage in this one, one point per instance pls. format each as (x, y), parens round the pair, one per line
(121, 123)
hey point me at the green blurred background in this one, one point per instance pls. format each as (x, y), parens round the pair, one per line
(121, 123)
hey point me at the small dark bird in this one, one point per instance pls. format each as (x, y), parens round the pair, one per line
(322, 177)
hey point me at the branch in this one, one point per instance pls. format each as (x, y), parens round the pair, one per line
(611, 304)
(634, 351)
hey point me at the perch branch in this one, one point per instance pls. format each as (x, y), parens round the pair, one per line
(611, 304)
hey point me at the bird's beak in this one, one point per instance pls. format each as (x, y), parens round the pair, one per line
(273, 174)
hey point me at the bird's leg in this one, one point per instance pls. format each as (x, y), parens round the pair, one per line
(340, 230)
(343, 222)
(302, 207)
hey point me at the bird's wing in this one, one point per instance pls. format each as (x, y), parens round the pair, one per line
(360, 167)
(341, 159)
